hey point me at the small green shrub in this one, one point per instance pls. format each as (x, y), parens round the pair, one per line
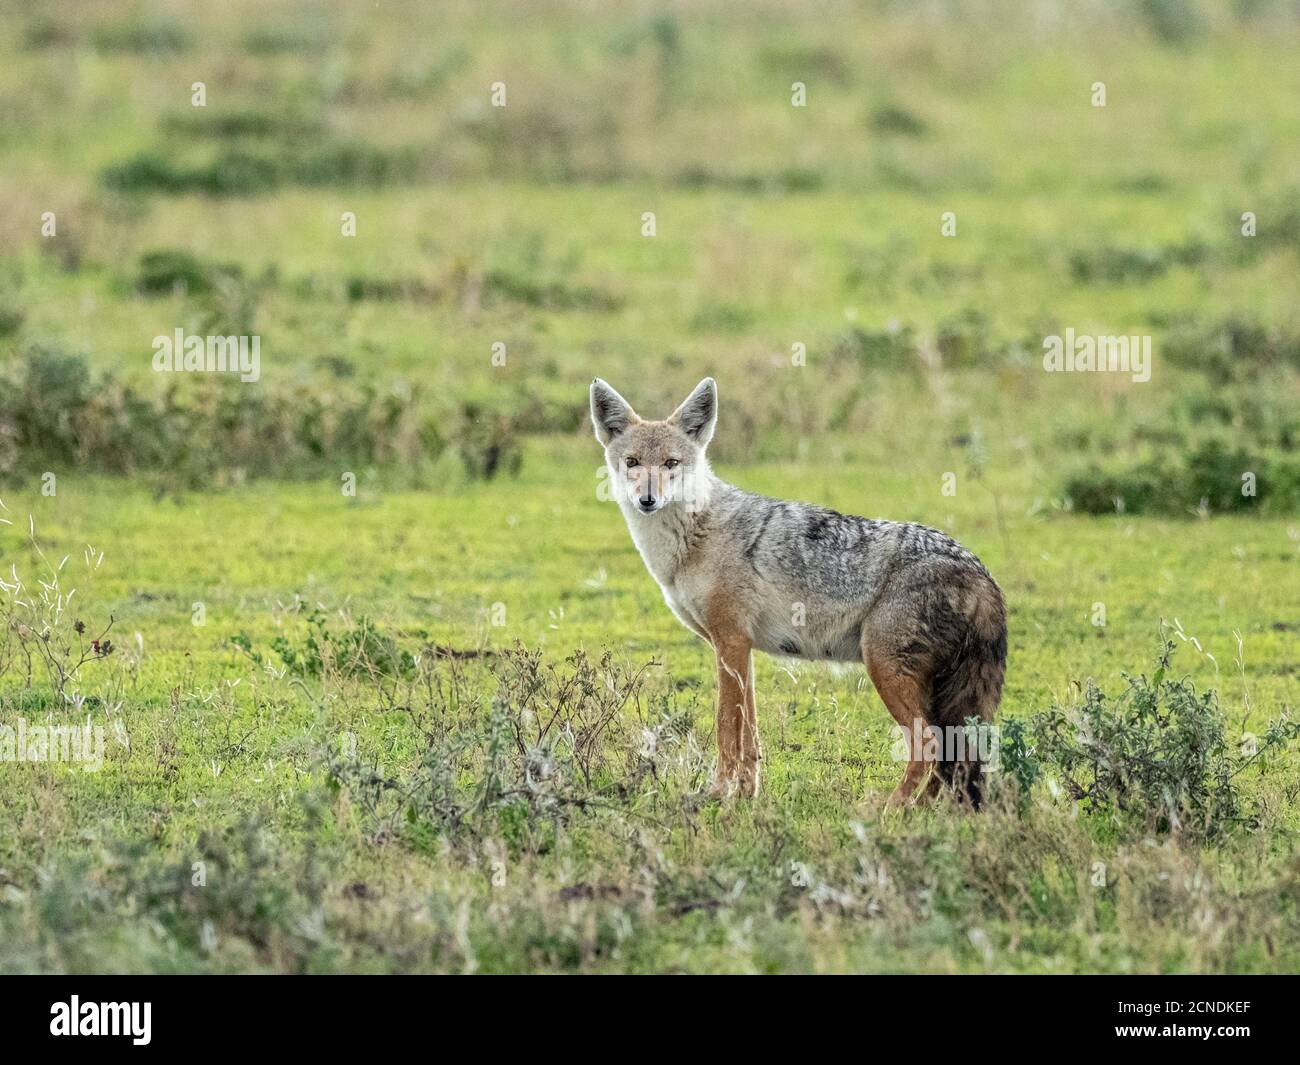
(245, 170)
(892, 118)
(230, 173)
(1119, 266)
(1174, 22)
(553, 295)
(151, 36)
(551, 744)
(358, 648)
(348, 163)
(52, 410)
(788, 180)
(965, 340)
(284, 40)
(722, 318)
(39, 633)
(359, 289)
(1211, 475)
(487, 441)
(890, 349)
(166, 271)
(1156, 757)
(807, 63)
(44, 32)
(42, 401)
(1232, 349)
(11, 317)
(251, 122)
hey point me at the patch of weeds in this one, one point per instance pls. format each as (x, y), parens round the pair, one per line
(506, 284)
(1213, 475)
(238, 899)
(427, 77)
(38, 628)
(1173, 22)
(227, 300)
(877, 269)
(1228, 442)
(722, 318)
(52, 410)
(44, 391)
(239, 171)
(359, 289)
(145, 36)
(807, 63)
(44, 32)
(284, 40)
(1278, 228)
(1142, 184)
(233, 173)
(168, 271)
(789, 180)
(663, 32)
(800, 179)
(550, 745)
(1107, 265)
(536, 139)
(966, 340)
(349, 163)
(886, 349)
(1155, 758)
(536, 411)
(898, 120)
(488, 441)
(357, 649)
(11, 316)
(248, 122)
(894, 174)
(1232, 349)
(524, 270)
(1116, 266)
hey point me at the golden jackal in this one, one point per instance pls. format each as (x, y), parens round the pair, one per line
(746, 572)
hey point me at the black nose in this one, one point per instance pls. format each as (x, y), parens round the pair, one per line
(648, 502)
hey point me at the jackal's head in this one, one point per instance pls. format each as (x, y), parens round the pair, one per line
(652, 464)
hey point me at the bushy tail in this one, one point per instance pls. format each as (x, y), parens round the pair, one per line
(970, 685)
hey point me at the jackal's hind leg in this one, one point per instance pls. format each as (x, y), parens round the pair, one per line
(904, 695)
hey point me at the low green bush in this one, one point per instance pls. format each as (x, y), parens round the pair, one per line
(1157, 757)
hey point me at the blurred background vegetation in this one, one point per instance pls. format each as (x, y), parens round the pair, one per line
(258, 629)
(776, 225)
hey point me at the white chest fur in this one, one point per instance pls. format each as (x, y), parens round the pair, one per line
(661, 538)
(663, 541)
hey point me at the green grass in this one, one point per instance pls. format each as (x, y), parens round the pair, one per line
(214, 739)
(350, 822)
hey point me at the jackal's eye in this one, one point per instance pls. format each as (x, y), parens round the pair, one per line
(671, 464)
(632, 462)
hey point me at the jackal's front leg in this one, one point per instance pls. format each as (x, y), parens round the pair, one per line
(738, 752)
(750, 753)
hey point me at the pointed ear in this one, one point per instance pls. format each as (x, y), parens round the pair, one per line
(698, 413)
(610, 412)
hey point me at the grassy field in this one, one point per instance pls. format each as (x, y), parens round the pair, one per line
(389, 688)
